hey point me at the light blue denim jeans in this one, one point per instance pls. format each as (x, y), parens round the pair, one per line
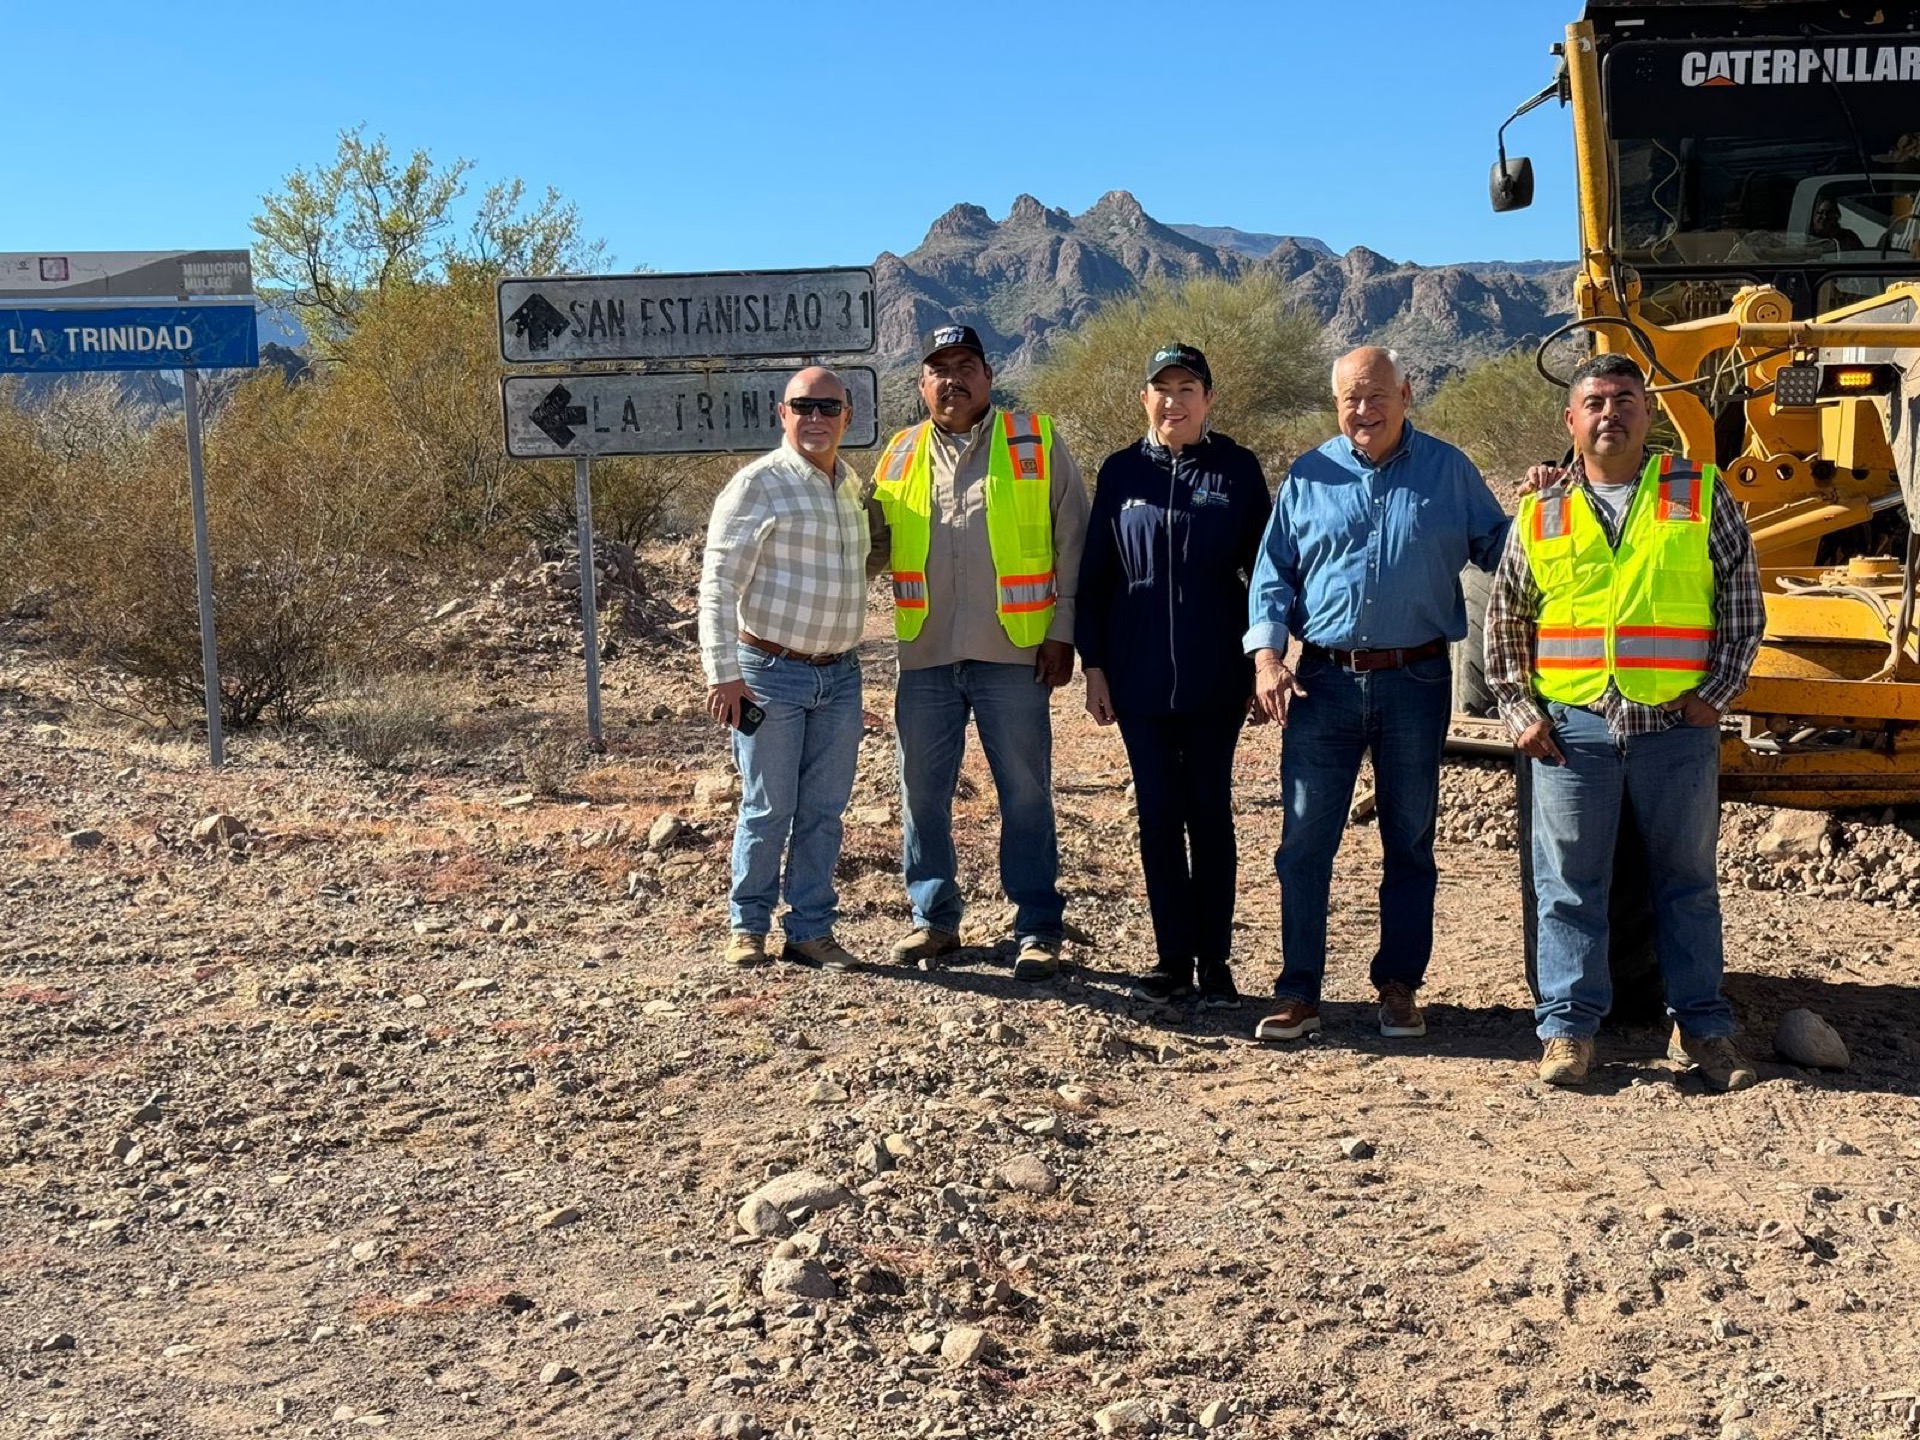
(796, 776)
(1398, 718)
(1672, 778)
(1010, 707)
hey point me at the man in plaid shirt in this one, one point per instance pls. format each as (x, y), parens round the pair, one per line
(1619, 533)
(783, 600)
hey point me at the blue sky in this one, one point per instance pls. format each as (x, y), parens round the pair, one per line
(732, 134)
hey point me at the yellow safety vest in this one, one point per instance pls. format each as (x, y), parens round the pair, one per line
(1640, 615)
(1019, 523)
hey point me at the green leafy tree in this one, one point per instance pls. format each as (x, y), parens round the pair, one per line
(1268, 361)
(368, 223)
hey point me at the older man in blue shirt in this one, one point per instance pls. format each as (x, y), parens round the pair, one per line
(1361, 563)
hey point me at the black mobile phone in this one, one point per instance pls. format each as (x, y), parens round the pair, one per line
(750, 717)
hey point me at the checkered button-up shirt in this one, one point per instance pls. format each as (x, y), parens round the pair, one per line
(786, 559)
(1740, 616)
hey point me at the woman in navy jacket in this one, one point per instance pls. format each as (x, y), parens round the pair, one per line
(1176, 526)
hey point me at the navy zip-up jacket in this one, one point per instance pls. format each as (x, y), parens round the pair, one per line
(1171, 545)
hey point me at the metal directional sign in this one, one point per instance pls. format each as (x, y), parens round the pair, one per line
(581, 416)
(129, 274)
(743, 314)
(128, 337)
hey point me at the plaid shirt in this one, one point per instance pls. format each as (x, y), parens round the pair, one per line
(1739, 618)
(786, 559)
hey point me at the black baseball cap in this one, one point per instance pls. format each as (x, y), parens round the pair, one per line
(1186, 357)
(945, 337)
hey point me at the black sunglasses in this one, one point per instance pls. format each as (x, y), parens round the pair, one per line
(803, 406)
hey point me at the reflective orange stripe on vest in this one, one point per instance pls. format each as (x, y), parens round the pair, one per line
(1679, 490)
(1662, 647)
(1019, 593)
(893, 465)
(1551, 518)
(1571, 647)
(1029, 456)
(910, 589)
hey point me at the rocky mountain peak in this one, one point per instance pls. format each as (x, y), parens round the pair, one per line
(962, 222)
(1028, 212)
(1119, 210)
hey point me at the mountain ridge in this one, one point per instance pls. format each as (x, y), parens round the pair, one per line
(1026, 280)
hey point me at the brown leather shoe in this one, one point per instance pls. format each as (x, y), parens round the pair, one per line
(1400, 1016)
(1566, 1061)
(1038, 960)
(1293, 1019)
(924, 947)
(1717, 1058)
(746, 949)
(826, 952)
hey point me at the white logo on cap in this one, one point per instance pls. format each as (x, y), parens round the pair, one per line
(949, 335)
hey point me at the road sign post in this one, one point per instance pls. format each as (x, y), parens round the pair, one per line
(98, 311)
(766, 315)
(589, 592)
(203, 568)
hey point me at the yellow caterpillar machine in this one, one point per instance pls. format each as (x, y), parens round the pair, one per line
(1749, 233)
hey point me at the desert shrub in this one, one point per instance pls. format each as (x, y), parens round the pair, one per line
(550, 760)
(1267, 358)
(384, 718)
(1502, 412)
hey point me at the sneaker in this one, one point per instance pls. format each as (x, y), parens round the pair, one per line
(1038, 960)
(1217, 990)
(924, 947)
(826, 952)
(1165, 982)
(745, 949)
(1716, 1057)
(1400, 1016)
(1566, 1061)
(1293, 1019)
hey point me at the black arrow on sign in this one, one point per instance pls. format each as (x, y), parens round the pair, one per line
(557, 418)
(537, 322)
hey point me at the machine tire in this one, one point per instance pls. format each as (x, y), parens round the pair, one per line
(1471, 695)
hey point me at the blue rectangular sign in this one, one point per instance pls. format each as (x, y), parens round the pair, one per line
(129, 337)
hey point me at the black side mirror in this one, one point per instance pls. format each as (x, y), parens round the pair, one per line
(1510, 186)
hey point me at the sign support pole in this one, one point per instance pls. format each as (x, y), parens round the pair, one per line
(203, 567)
(589, 598)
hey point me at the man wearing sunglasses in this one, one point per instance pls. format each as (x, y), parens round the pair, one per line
(782, 604)
(986, 513)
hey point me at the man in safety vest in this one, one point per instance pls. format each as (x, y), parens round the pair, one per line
(987, 514)
(1624, 618)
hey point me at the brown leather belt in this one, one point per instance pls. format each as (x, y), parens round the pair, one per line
(781, 652)
(1364, 660)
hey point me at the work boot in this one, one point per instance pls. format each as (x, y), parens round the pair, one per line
(1716, 1057)
(1167, 981)
(924, 947)
(826, 952)
(1217, 990)
(1293, 1019)
(745, 948)
(1400, 1016)
(1566, 1060)
(1038, 960)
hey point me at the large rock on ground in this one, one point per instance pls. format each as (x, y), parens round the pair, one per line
(798, 1189)
(1794, 835)
(797, 1279)
(1803, 1038)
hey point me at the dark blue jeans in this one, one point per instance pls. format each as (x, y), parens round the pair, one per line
(1672, 779)
(1009, 707)
(1398, 718)
(1183, 786)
